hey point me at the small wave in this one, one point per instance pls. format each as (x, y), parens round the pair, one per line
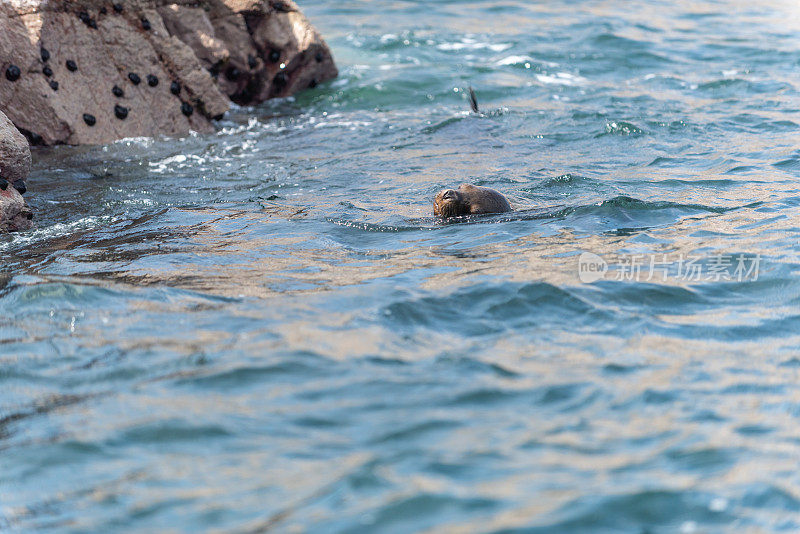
(515, 60)
(371, 227)
(633, 204)
(613, 40)
(39, 234)
(41, 406)
(252, 124)
(723, 83)
(791, 164)
(662, 161)
(662, 510)
(443, 124)
(300, 365)
(561, 78)
(621, 128)
(737, 87)
(487, 309)
(524, 61)
(565, 179)
(698, 183)
(164, 432)
(468, 43)
(144, 142)
(179, 161)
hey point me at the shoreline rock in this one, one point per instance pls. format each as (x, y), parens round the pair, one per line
(92, 71)
(14, 213)
(15, 164)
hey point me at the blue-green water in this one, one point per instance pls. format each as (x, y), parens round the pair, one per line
(264, 329)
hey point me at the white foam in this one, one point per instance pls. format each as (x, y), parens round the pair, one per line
(515, 60)
(179, 161)
(252, 122)
(141, 141)
(55, 230)
(471, 44)
(519, 60)
(561, 78)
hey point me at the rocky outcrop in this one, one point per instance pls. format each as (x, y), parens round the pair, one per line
(14, 213)
(92, 71)
(15, 164)
(15, 154)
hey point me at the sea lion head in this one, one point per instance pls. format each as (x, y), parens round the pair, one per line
(469, 199)
(450, 203)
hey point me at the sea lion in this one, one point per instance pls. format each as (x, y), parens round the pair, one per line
(469, 199)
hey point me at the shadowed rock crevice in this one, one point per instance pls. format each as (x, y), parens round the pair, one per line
(61, 60)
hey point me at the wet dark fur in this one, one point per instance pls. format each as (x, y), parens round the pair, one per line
(469, 200)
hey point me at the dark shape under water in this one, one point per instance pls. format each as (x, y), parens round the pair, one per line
(134, 78)
(3, 184)
(13, 73)
(20, 186)
(71, 65)
(89, 119)
(117, 91)
(187, 109)
(152, 80)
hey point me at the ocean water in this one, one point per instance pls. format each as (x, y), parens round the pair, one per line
(265, 330)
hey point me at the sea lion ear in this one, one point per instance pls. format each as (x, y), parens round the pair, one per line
(466, 187)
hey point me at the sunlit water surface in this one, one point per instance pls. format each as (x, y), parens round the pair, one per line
(264, 329)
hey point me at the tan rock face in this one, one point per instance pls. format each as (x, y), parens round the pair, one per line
(14, 213)
(15, 164)
(15, 154)
(83, 72)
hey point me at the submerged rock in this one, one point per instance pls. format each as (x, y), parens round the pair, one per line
(264, 48)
